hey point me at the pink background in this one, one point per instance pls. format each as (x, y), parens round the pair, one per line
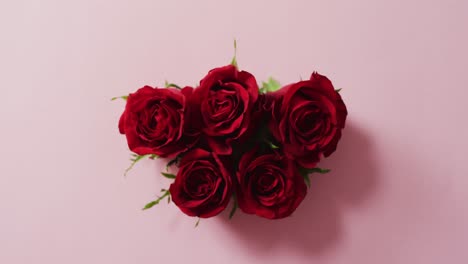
(398, 191)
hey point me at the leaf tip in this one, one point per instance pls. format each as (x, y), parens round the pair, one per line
(234, 207)
(307, 180)
(168, 175)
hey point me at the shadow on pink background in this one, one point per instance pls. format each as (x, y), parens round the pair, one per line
(397, 192)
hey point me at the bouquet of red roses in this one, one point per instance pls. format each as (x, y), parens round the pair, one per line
(231, 139)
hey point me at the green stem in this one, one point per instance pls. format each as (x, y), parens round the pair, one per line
(155, 202)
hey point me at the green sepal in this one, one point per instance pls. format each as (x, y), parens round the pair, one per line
(305, 173)
(234, 207)
(318, 170)
(198, 222)
(168, 85)
(306, 179)
(338, 90)
(234, 59)
(273, 146)
(123, 97)
(155, 202)
(168, 175)
(150, 204)
(135, 158)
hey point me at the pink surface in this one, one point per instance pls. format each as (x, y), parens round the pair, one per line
(398, 189)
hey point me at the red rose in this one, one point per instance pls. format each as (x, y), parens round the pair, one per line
(269, 184)
(308, 117)
(155, 121)
(226, 98)
(202, 186)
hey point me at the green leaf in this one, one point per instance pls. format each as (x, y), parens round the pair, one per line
(338, 90)
(168, 175)
(234, 207)
(318, 170)
(305, 173)
(234, 62)
(137, 158)
(124, 97)
(155, 202)
(134, 160)
(234, 59)
(198, 222)
(149, 205)
(270, 86)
